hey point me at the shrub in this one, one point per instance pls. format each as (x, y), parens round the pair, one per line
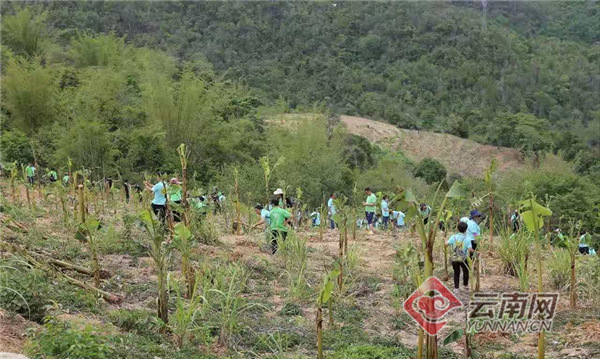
(24, 290)
(430, 170)
(74, 342)
(589, 279)
(372, 352)
(15, 147)
(559, 268)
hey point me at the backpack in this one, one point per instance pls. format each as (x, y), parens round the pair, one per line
(458, 253)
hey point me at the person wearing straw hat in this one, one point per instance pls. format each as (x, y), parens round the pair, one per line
(279, 195)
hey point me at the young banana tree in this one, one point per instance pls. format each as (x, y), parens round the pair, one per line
(533, 215)
(86, 232)
(268, 171)
(160, 250)
(341, 220)
(427, 233)
(323, 298)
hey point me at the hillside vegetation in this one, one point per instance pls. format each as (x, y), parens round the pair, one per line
(142, 145)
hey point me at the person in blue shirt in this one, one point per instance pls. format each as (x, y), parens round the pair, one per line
(315, 218)
(473, 230)
(331, 209)
(264, 216)
(399, 217)
(159, 203)
(385, 211)
(460, 247)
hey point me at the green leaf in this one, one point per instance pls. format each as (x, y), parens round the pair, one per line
(80, 236)
(453, 337)
(409, 196)
(411, 212)
(327, 290)
(92, 224)
(402, 206)
(328, 285)
(456, 191)
(528, 219)
(182, 232)
(336, 218)
(537, 208)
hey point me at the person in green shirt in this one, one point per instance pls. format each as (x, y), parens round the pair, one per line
(65, 179)
(370, 204)
(174, 192)
(30, 172)
(278, 218)
(52, 175)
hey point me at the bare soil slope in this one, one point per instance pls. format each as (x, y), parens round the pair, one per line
(462, 156)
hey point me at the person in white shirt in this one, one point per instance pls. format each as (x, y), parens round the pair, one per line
(331, 209)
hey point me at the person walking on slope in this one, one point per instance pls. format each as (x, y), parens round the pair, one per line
(460, 247)
(370, 204)
(159, 203)
(278, 217)
(473, 230)
(30, 173)
(332, 212)
(425, 211)
(65, 179)
(385, 211)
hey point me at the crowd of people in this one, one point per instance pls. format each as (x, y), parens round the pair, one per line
(283, 213)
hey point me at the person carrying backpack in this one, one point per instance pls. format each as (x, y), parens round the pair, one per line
(460, 246)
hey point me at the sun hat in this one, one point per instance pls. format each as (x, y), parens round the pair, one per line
(475, 213)
(175, 181)
(278, 191)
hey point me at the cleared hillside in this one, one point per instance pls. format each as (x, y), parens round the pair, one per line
(460, 156)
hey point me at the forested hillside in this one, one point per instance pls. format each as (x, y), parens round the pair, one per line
(437, 66)
(116, 86)
(186, 179)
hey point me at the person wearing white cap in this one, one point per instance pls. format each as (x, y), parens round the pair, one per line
(279, 193)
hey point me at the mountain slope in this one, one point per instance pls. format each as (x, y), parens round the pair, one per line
(458, 155)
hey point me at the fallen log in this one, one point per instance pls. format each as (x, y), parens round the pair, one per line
(40, 264)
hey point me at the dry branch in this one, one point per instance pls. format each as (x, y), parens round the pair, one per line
(30, 257)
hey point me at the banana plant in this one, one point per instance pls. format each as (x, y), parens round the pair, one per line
(341, 220)
(268, 171)
(427, 233)
(323, 298)
(181, 241)
(160, 251)
(87, 232)
(533, 215)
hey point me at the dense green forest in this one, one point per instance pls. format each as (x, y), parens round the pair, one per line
(117, 86)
